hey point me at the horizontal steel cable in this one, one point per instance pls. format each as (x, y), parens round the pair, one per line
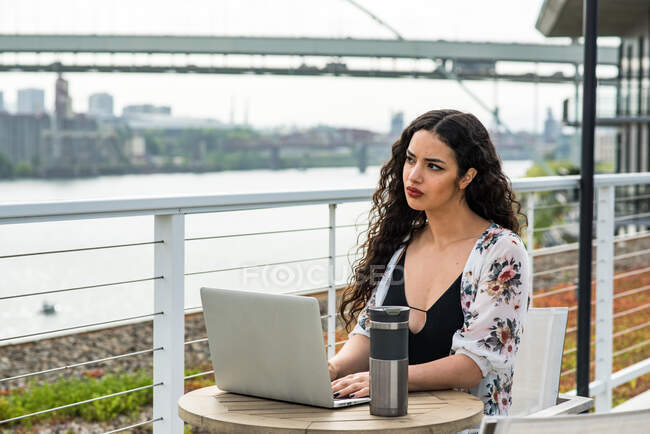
(147, 422)
(559, 205)
(76, 365)
(567, 372)
(249, 234)
(243, 267)
(283, 231)
(336, 344)
(80, 249)
(318, 288)
(294, 261)
(200, 374)
(82, 326)
(572, 287)
(641, 196)
(632, 310)
(618, 295)
(564, 225)
(632, 254)
(631, 273)
(13, 419)
(555, 291)
(630, 348)
(617, 315)
(555, 270)
(632, 216)
(196, 341)
(615, 335)
(100, 285)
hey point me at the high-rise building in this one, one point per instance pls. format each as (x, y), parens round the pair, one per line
(21, 136)
(100, 105)
(551, 128)
(31, 101)
(62, 100)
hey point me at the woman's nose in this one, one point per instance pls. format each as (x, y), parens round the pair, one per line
(415, 173)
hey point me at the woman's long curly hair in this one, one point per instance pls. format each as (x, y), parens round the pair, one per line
(391, 219)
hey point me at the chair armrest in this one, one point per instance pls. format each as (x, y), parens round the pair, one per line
(566, 404)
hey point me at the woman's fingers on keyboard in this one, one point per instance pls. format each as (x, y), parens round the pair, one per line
(354, 385)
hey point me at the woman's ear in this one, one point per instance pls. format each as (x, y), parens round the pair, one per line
(467, 178)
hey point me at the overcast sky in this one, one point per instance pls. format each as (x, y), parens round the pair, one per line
(301, 101)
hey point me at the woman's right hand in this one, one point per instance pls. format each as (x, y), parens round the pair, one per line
(333, 371)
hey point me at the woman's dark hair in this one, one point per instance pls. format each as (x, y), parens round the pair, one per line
(391, 219)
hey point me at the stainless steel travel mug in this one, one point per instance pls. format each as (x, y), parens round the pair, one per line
(389, 360)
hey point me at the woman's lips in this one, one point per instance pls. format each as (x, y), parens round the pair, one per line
(413, 192)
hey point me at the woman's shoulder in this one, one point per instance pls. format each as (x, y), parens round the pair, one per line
(496, 238)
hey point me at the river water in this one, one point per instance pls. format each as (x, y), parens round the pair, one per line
(29, 274)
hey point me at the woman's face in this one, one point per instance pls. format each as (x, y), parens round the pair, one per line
(430, 173)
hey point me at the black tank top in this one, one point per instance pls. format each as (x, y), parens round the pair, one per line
(443, 319)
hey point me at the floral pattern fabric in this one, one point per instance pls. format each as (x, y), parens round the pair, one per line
(495, 296)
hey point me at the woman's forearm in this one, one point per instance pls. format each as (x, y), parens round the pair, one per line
(353, 357)
(456, 371)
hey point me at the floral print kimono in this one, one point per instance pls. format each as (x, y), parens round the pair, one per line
(495, 295)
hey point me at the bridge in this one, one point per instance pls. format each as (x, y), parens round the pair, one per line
(451, 59)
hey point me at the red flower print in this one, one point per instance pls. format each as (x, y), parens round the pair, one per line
(507, 273)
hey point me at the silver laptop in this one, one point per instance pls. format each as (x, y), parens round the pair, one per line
(269, 345)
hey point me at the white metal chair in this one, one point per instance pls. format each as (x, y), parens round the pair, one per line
(537, 368)
(596, 423)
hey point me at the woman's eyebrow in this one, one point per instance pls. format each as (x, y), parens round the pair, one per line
(432, 160)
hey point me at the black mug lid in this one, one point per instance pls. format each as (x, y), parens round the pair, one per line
(389, 313)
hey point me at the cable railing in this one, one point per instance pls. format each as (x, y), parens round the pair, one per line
(80, 364)
(79, 249)
(80, 327)
(169, 273)
(74, 404)
(77, 288)
(146, 422)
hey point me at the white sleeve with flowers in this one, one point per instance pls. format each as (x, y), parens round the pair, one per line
(494, 298)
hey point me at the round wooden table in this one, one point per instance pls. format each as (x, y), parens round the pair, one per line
(432, 412)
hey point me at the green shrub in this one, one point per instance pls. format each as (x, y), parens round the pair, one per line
(36, 397)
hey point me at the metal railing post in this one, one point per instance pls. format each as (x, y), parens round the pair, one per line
(604, 295)
(331, 291)
(530, 240)
(169, 328)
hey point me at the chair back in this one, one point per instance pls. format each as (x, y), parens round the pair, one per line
(536, 379)
(594, 423)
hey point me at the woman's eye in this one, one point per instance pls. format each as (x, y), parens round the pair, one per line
(433, 166)
(410, 159)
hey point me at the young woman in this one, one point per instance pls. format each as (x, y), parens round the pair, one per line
(443, 238)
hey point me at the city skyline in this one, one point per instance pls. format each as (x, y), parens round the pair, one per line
(340, 101)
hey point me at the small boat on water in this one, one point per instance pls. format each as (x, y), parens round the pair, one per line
(48, 309)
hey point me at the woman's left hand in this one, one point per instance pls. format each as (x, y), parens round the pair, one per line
(352, 386)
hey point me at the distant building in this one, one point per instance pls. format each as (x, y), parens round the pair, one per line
(552, 128)
(62, 101)
(2, 102)
(170, 123)
(396, 124)
(21, 136)
(79, 147)
(31, 101)
(146, 109)
(100, 105)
